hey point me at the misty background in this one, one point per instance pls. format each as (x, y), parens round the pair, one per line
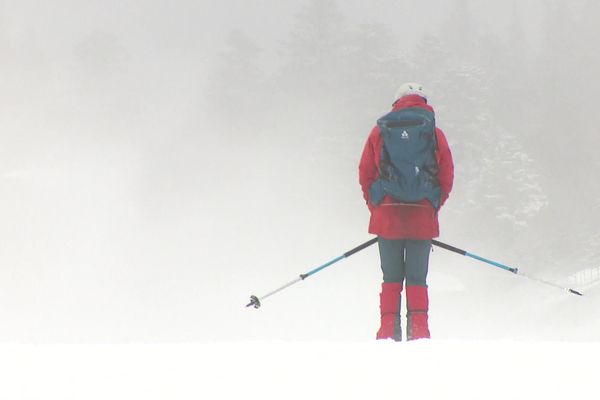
(161, 161)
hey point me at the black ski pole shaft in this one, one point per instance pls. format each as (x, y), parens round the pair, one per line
(502, 266)
(256, 301)
(474, 256)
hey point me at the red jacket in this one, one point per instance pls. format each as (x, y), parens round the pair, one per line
(393, 219)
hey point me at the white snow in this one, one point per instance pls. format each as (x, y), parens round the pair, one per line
(301, 370)
(521, 341)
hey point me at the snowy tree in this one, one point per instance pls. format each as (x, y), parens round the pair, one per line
(497, 184)
(459, 30)
(562, 105)
(566, 69)
(336, 72)
(236, 94)
(509, 62)
(315, 54)
(375, 64)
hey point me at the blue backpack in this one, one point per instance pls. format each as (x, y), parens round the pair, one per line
(409, 167)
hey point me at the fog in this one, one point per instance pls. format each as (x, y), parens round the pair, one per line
(161, 161)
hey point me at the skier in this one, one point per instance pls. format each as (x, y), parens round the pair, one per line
(405, 226)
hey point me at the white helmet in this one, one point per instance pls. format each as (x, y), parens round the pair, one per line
(410, 88)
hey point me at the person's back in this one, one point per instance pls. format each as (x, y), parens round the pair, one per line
(404, 226)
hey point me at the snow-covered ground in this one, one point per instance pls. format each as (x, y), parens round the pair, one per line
(522, 341)
(264, 370)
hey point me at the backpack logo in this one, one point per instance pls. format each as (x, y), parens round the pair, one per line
(405, 135)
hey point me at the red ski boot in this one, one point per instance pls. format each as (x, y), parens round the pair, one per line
(417, 304)
(389, 305)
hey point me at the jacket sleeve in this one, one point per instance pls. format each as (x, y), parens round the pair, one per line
(446, 165)
(367, 168)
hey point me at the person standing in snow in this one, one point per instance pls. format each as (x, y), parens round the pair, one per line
(404, 221)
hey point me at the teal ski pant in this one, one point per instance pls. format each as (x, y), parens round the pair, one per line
(405, 259)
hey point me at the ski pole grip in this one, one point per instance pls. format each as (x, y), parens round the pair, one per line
(359, 248)
(448, 247)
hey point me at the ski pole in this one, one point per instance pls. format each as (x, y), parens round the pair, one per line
(255, 301)
(502, 266)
